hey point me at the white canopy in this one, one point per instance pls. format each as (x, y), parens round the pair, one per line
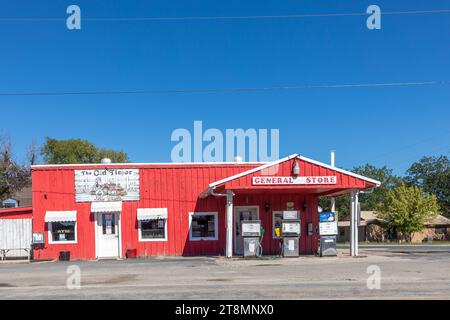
(151, 213)
(60, 216)
(106, 206)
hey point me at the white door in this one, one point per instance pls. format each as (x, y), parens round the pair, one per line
(241, 214)
(108, 235)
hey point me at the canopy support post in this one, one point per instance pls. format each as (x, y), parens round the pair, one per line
(229, 233)
(354, 204)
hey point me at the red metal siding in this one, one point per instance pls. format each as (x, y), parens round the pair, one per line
(176, 188)
(16, 213)
(306, 169)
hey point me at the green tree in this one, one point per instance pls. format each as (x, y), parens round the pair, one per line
(368, 201)
(432, 174)
(406, 209)
(77, 151)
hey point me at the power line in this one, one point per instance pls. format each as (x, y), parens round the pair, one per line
(226, 90)
(260, 17)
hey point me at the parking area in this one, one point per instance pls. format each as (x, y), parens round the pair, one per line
(402, 276)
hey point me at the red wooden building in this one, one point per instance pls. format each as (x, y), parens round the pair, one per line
(107, 210)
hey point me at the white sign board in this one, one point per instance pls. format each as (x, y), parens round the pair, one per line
(312, 180)
(251, 228)
(290, 215)
(328, 228)
(291, 227)
(107, 185)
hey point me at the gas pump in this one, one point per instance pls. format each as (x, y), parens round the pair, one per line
(328, 231)
(290, 232)
(251, 233)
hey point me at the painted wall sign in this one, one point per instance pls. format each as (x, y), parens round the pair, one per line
(313, 180)
(107, 185)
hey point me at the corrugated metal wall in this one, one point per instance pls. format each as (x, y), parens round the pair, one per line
(177, 188)
(15, 234)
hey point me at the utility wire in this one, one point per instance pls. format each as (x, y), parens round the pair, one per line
(226, 90)
(292, 16)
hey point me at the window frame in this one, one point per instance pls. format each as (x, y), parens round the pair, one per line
(50, 233)
(153, 239)
(216, 226)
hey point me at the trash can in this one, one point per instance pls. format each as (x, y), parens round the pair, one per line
(131, 253)
(64, 256)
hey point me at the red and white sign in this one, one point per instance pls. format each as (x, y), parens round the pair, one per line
(313, 180)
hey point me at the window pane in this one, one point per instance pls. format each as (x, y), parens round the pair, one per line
(109, 223)
(63, 231)
(153, 229)
(277, 219)
(203, 226)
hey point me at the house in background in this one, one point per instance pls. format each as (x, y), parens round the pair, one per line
(373, 229)
(21, 198)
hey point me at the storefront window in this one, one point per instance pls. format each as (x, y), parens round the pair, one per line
(154, 229)
(62, 231)
(203, 226)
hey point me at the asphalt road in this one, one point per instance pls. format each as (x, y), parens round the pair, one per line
(402, 248)
(403, 276)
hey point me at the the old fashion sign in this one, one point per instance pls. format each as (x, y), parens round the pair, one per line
(107, 185)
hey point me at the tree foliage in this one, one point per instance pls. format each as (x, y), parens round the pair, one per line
(406, 209)
(13, 176)
(368, 201)
(77, 151)
(432, 174)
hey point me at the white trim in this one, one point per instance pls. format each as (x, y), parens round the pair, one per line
(216, 226)
(50, 236)
(355, 175)
(271, 164)
(234, 219)
(156, 239)
(97, 234)
(114, 165)
(265, 166)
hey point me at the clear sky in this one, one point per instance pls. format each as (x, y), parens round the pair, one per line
(391, 126)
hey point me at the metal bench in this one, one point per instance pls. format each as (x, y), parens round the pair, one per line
(3, 253)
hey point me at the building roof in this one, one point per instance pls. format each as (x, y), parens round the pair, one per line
(370, 216)
(295, 155)
(438, 221)
(23, 197)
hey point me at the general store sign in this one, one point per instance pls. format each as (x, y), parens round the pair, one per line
(313, 180)
(107, 185)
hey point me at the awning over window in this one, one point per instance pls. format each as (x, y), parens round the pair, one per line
(106, 206)
(144, 214)
(60, 216)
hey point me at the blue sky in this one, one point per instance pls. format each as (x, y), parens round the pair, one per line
(385, 126)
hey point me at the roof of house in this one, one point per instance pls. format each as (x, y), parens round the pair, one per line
(370, 216)
(23, 197)
(438, 221)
